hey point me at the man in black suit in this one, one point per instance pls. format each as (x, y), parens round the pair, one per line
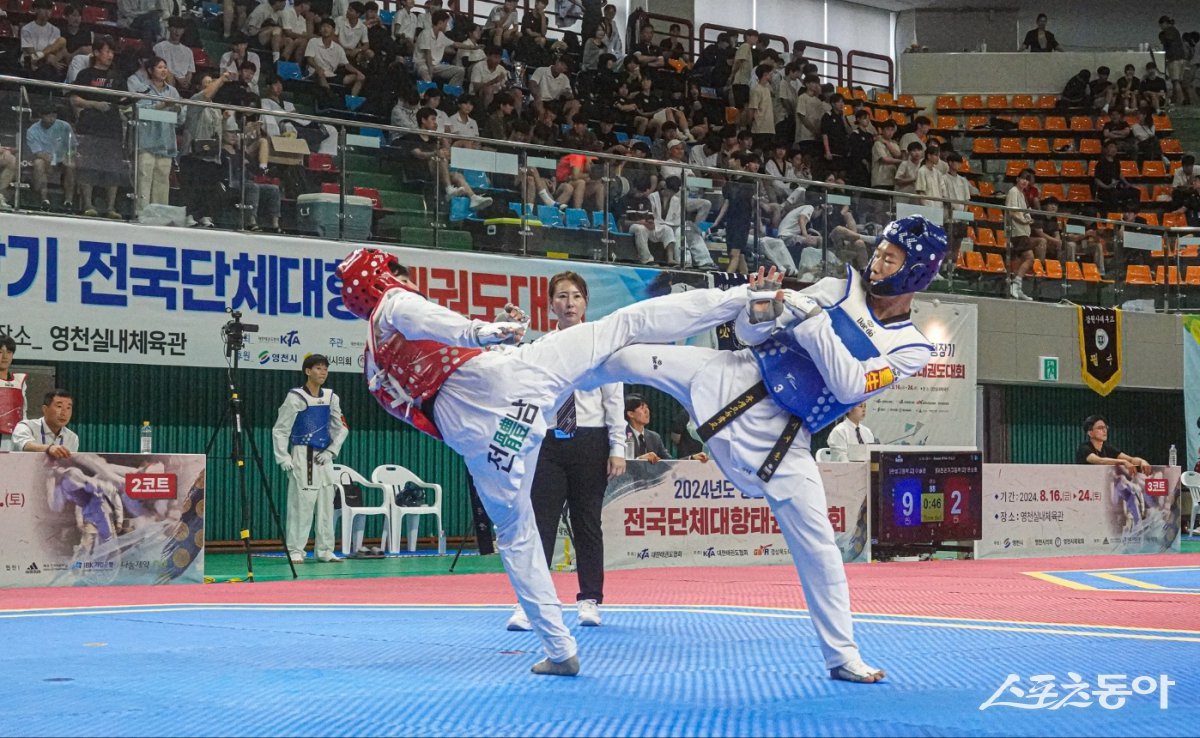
(641, 442)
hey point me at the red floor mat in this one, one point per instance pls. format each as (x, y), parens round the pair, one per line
(991, 590)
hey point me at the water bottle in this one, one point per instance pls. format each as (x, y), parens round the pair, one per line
(147, 437)
(1172, 457)
(597, 252)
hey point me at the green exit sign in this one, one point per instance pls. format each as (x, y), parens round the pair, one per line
(1048, 368)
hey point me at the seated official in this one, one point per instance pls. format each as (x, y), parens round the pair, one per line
(1096, 449)
(850, 432)
(49, 434)
(641, 442)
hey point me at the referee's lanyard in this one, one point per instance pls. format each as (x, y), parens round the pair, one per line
(60, 439)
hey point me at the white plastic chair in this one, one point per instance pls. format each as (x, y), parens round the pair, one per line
(396, 476)
(353, 522)
(1191, 480)
(826, 454)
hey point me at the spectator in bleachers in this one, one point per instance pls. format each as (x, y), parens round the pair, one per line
(593, 49)
(8, 172)
(238, 54)
(404, 27)
(784, 90)
(1176, 58)
(489, 78)
(1183, 175)
(648, 54)
(320, 137)
(425, 20)
(1112, 189)
(77, 37)
(353, 36)
(181, 63)
(958, 188)
(1075, 94)
(144, 17)
(296, 22)
(1153, 89)
(835, 136)
(471, 50)
(244, 160)
(1116, 130)
(501, 121)
(837, 224)
(1145, 138)
(51, 146)
(404, 112)
(1102, 90)
(432, 98)
(642, 217)
(707, 153)
(503, 26)
(1018, 222)
(886, 156)
(550, 88)
(738, 211)
(579, 137)
(760, 111)
(431, 51)
(545, 128)
(434, 154)
(593, 16)
(742, 75)
(715, 62)
(779, 167)
(533, 47)
(920, 132)
(156, 142)
(326, 60)
(1039, 39)
(43, 45)
(906, 173)
(200, 165)
(379, 36)
(612, 33)
(264, 24)
(1066, 246)
(810, 109)
(462, 124)
(1185, 199)
(99, 128)
(794, 227)
(1128, 86)
(862, 142)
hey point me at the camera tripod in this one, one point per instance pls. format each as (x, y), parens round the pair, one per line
(234, 333)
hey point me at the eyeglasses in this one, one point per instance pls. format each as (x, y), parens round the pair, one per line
(1099, 427)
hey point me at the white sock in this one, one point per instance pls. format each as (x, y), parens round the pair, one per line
(544, 196)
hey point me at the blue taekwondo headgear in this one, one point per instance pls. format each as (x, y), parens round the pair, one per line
(924, 244)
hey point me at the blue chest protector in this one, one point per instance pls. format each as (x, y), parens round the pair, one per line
(792, 377)
(312, 424)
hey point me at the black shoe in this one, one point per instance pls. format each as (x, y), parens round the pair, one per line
(45, 206)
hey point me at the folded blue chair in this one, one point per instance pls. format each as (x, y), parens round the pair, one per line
(549, 215)
(452, 91)
(577, 218)
(460, 209)
(353, 102)
(288, 70)
(422, 86)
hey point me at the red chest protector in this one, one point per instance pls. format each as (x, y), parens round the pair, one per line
(12, 403)
(402, 374)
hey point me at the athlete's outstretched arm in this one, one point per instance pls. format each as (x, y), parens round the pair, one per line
(849, 379)
(421, 319)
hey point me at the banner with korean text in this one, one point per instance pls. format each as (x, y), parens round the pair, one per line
(1071, 510)
(101, 519)
(80, 290)
(686, 513)
(1191, 388)
(937, 406)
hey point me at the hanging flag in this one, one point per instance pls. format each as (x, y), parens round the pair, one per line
(1100, 347)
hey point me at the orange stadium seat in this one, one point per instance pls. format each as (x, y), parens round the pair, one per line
(1055, 123)
(1161, 193)
(986, 188)
(993, 263)
(1039, 270)
(879, 115)
(1024, 102)
(1057, 191)
(1129, 168)
(1172, 274)
(900, 118)
(884, 98)
(1063, 145)
(978, 212)
(947, 123)
(1054, 269)
(1154, 168)
(1074, 273)
(1045, 169)
(1189, 252)
(1079, 193)
(976, 121)
(973, 261)
(1047, 102)
(1082, 123)
(997, 102)
(1074, 168)
(1089, 146)
(947, 102)
(1162, 123)
(1011, 146)
(1038, 146)
(1171, 146)
(1192, 276)
(1174, 220)
(972, 102)
(1091, 273)
(1150, 218)
(907, 101)
(1174, 165)
(1029, 123)
(984, 146)
(1014, 167)
(1138, 274)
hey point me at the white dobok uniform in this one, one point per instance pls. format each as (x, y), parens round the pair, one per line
(305, 426)
(13, 407)
(493, 408)
(821, 367)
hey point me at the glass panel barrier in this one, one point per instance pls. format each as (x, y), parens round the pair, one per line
(346, 180)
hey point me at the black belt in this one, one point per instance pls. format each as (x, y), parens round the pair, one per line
(739, 405)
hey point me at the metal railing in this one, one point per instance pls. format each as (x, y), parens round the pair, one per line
(807, 227)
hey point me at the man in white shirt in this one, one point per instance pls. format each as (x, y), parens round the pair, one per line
(181, 63)
(502, 26)
(431, 50)
(462, 124)
(404, 26)
(231, 61)
(489, 78)
(326, 59)
(809, 111)
(552, 85)
(266, 24)
(352, 34)
(43, 44)
(297, 28)
(850, 432)
(1183, 175)
(954, 187)
(49, 434)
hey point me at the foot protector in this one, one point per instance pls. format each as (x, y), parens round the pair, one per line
(570, 667)
(857, 671)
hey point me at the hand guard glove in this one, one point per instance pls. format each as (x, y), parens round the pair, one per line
(763, 307)
(491, 334)
(800, 305)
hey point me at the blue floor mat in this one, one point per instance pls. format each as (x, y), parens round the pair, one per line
(648, 671)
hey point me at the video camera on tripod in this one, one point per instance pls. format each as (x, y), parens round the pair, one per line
(234, 332)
